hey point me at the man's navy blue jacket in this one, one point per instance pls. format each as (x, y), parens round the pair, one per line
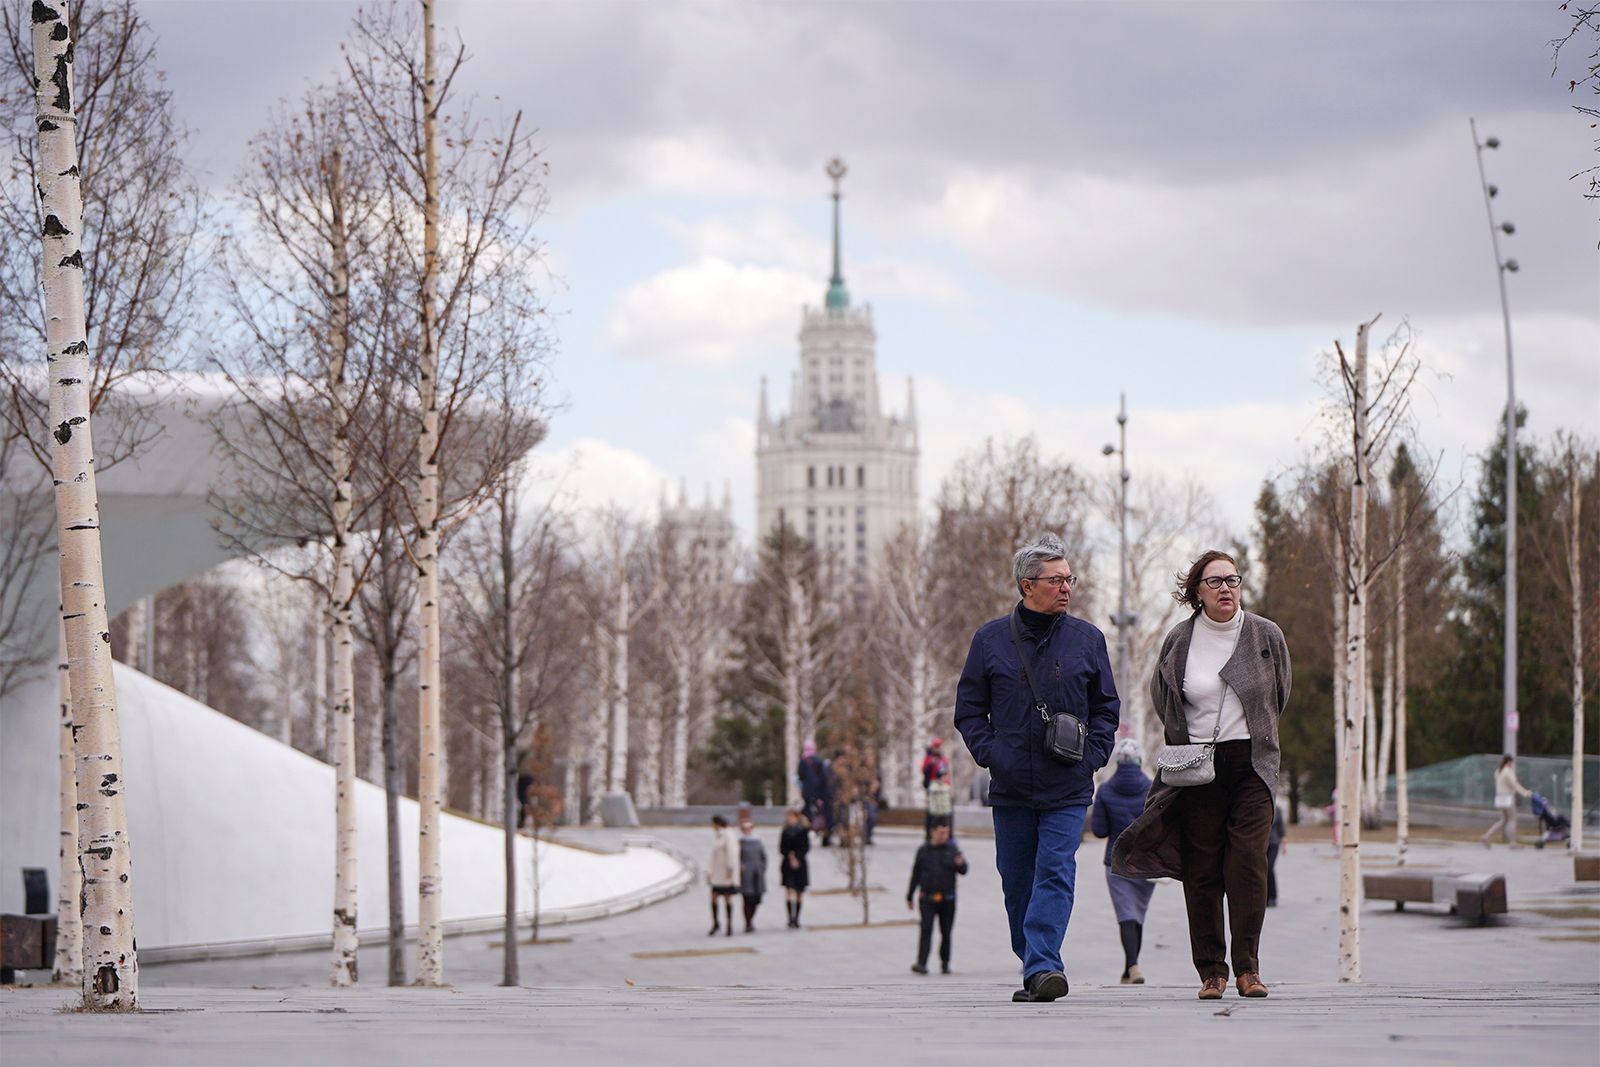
(1004, 732)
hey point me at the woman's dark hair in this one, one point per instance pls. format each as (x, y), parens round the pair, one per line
(717, 820)
(1188, 591)
(1505, 760)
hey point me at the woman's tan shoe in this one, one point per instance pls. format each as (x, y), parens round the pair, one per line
(1250, 985)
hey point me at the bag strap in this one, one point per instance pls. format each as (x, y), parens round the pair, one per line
(1027, 671)
(1218, 731)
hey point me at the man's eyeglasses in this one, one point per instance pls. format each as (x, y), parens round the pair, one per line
(1217, 581)
(1056, 581)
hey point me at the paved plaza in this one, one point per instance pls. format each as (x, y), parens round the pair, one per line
(649, 987)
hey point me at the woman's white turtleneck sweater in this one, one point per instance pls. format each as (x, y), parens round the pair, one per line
(1210, 647)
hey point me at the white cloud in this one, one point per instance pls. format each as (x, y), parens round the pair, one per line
(709, 313)
(590, 475)
(1227, 448)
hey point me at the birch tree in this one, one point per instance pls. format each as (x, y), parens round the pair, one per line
(510, 587)
(696, 564)
(310, 392)
(68, 966)
(1400, 481)
(465, 225)
(110, 961)
(1372, 415)
(913, 654)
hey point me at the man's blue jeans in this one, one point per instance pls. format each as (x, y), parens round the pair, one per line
(1037, 854)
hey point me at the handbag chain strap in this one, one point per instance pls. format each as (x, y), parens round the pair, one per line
(1027, 672)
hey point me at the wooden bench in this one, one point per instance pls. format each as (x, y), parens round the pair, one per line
(1474, 897)
(1586, 867)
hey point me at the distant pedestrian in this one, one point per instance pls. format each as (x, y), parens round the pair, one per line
(723, 872)
(934, 763)
(1220, 685)
(870, 803)
(1506, 791)
(832, 798)
(1038, 658)
(1117, 804)
(795, 872)
(934, 872)
(752, 872)
(813, 778)
(1276, 842)
(941, 805)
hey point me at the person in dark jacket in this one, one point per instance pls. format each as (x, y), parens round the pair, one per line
(1118, 803)
(813, 775)
(934, 872)
(934, 763)
(795, 875)
(752, 872)
(1038, 801)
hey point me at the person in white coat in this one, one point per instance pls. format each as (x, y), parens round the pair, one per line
(1506, 791)
(723, 873)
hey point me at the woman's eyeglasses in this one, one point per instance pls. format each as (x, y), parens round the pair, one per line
(1217, 581)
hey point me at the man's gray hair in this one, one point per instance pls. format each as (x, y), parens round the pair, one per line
(1031, 557)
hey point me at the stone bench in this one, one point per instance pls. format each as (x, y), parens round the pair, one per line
(1474, 897)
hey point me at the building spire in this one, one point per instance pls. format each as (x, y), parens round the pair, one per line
(838, 298)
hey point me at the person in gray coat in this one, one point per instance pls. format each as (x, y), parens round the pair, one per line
(1222, 678)
(752, 872)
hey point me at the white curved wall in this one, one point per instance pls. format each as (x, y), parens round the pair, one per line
(232, 832)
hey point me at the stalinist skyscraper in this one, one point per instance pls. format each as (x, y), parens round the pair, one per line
(834, 467)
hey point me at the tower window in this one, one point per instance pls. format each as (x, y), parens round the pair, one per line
(861, 477)
(811, 477)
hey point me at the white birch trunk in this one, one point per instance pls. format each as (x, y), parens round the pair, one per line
(430, 927)
(1340, 681)
(791, 694)
(918, 722)
(110, 962)
(1356, 682)
(617, 782)
(1369, 740)
(650, 771)
(68, 966)
(1386, 734)
(321, 627)
(147, 653)
(1575, 577)
(678, 770)
(596, 734)
(338, 609)
(1402, 796)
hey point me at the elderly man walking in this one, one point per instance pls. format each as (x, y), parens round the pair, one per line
(1037, 706)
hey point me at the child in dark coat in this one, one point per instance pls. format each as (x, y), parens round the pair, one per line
(1119, 801)
(934, 872)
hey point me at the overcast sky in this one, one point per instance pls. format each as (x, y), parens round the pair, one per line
(1047, 204)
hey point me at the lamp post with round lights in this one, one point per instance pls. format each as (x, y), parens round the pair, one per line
(1504, 266)
(1123, 619)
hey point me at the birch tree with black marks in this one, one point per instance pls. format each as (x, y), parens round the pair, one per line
(1370, 412)
(110, 962)
(462, 203)
(137, 244)
(305, 267)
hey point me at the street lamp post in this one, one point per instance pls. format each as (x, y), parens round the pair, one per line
(1502, 268)
(1123, 619)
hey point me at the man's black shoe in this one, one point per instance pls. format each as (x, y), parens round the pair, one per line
(1021, 996)
(919, 968)
(944, 968)
(1046, 986)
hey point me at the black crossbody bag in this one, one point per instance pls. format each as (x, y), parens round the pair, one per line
(1064, 733)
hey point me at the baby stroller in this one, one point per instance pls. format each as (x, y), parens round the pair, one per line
(1553, 826)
